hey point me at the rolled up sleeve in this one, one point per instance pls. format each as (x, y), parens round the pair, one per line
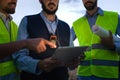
(22, 59)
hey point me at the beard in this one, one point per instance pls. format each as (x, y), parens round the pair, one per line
(47, 10)
(90, 7)
(9, 11)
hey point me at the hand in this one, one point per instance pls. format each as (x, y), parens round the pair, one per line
(48, 64)
(39, 44)
(108, 41)
(76, 61)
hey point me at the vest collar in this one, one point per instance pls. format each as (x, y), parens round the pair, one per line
(4, 17)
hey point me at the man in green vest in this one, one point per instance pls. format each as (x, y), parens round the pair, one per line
(8, 32)
(101, 62)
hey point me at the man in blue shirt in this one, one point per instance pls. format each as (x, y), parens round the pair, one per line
(45, 25)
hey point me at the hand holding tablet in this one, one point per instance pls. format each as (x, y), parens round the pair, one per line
(67, 54)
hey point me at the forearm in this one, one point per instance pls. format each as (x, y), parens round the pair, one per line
(25, 62)
(28, 64)
(10, 48)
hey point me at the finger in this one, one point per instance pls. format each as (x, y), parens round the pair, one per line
(52, 45)
(41, 47)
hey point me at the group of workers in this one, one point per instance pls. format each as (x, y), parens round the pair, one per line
(25, 51)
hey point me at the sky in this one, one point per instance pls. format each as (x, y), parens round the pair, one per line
(68, 10)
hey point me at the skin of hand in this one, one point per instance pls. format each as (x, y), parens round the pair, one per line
(48, 64)
(76, 61)
(39, 44)
(108, 41)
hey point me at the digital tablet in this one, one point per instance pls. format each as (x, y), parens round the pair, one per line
(66, 54)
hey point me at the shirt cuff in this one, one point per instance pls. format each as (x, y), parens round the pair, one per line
(34, 65)
(117, 45)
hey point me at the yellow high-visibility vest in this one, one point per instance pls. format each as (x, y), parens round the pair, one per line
(6, 37)
(99, 61)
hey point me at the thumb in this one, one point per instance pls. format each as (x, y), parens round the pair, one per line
(51, 44)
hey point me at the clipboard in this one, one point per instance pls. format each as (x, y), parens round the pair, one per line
(66, 54)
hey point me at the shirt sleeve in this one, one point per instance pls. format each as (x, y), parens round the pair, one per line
(117, 44)
(73, 36)
(71, 39)
(22, 58)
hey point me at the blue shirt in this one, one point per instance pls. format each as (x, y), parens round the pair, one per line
(22, 58)
(92, 20)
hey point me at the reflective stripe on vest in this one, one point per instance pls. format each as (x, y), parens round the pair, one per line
(95, 54)
(7, 68)
(99, 62)
(97, 46)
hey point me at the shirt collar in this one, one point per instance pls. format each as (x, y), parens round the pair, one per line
(4, 17)
(99, 12)
(44, 18)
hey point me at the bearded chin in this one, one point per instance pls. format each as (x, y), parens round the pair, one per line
(10, 11)
(91, 7)
(48, 11)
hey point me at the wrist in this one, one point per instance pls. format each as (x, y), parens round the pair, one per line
(40, 65)
(26, 43)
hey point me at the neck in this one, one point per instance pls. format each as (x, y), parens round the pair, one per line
(92, 12)
(4, 13)
(49, 16)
